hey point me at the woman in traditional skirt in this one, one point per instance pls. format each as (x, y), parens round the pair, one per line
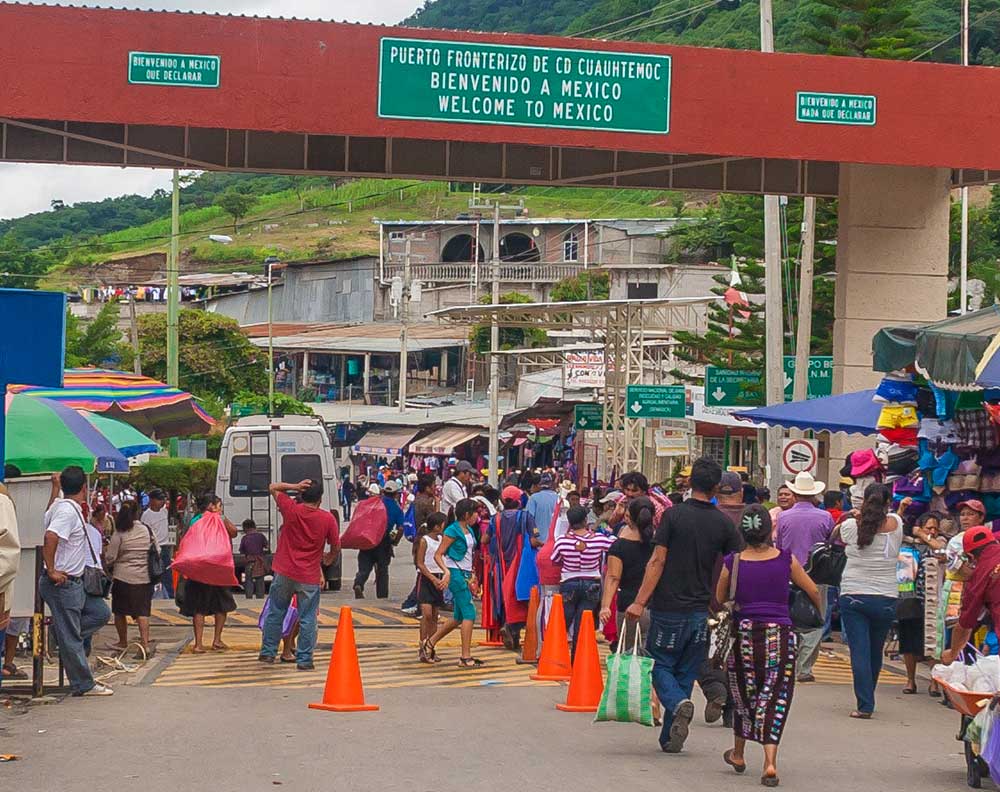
(201, 599)
(761, 664)
(127, 556)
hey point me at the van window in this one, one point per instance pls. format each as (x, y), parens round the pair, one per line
(297, 467)
(250, 476)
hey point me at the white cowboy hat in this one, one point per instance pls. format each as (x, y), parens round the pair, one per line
(805, 484)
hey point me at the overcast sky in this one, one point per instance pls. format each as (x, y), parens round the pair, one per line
(32, 188)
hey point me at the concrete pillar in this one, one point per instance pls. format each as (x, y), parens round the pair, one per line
(367, 379)
(892, 267)
(305, 369)
(443, 369)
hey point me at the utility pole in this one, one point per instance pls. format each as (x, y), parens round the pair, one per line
(134, 334)
(404, 315)
(964, 270)
(270, 340)
(494, 359)
(173, 287)
(803, 332)
(773, 319)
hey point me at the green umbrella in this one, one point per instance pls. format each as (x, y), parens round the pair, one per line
(43, 436)
(127, 439)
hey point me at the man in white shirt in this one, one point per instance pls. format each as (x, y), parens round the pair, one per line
(456, 488)
(67, 551)
(155, 517)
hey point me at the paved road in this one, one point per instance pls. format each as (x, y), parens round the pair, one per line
(221, 722)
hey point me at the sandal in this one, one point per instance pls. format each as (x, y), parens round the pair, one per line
(469, 662)
(910, 690)
(427, 650)
(11, 671)
(861, 715)
(727, 757)
(199, 650)
(769, 780)
(220, 647)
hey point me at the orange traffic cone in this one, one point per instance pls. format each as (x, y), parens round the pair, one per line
(586, 685)
(529, 646)
(554, 664)
(343, 691)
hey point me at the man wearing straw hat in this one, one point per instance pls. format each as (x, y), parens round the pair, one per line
(799, 528)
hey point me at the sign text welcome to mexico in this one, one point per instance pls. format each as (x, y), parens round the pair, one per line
(524, 86)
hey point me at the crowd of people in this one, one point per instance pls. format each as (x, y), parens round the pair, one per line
(713, 575)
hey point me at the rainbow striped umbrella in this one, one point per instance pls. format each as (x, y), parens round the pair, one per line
(43, 436)
(155, 409)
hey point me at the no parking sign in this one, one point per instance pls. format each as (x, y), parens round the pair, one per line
(799, 456)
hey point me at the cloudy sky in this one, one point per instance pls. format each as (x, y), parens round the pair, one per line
(31, 188)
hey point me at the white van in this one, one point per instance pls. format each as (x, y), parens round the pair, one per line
(258, 451)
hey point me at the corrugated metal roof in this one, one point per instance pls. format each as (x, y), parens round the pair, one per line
(377, 337)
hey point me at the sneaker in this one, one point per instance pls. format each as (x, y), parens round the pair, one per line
(263, 658)
(359, 592)
(99, 690)
(305, 666)
(805, 678)
(410, 611)
(714, 708)
(680, 727)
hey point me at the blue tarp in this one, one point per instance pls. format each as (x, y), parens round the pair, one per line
(853, 413)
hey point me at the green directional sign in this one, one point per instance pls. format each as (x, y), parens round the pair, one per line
(474, 83)
(820, 382)
(654, 401)
(588, 416)
(833, 108)
(732, 388)
(237, 410)
(167, 68)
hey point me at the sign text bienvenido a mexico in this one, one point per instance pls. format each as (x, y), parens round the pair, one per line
(167, 68)
(524, 86)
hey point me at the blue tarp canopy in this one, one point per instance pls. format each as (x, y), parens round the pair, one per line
(852, 413)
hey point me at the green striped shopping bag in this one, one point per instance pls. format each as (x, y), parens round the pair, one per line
(629, 690)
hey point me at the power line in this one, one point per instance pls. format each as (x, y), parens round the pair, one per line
(649, 10)
(667, 19)
(982, 17)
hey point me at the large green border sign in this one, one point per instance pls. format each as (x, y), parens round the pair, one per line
(174, 69)
(472, 83)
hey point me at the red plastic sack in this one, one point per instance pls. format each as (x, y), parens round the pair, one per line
(206, 553)
(367, 527)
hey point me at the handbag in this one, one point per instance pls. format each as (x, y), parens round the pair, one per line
(803, 611)
(723, 633)
(628, 694)
(154, 562)
(96, 581)
(826, 563)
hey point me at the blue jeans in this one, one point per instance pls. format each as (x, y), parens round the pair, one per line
(832, 594)
(76, 616)
(678, 644)
(866, 619)
(166, 556)
(282, 590)
(579, 595)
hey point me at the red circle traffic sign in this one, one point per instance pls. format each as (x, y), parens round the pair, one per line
(799, 456)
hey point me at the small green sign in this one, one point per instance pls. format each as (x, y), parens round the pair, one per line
(654, 401)
(167, 68)
(474, 83)
(588, 416)
(833, 108)
(820, 382)
(732, 388)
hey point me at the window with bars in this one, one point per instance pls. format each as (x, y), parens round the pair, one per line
(571, 246)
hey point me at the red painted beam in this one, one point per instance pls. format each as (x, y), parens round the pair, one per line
(320, 77)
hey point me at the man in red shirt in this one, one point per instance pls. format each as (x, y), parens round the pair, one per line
(305, 531)
(981, 592)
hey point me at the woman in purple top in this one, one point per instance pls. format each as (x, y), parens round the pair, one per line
(761, 665)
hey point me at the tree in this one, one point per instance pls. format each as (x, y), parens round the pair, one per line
(96, 342)
(510, 337)
(20, 267)
(283, 403)
(589, 285)
(216, 360)
(864, 28)
(236, 204)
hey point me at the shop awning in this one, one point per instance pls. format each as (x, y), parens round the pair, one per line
(386, 442)
(946, 352)
(444, 441)
(852, 413)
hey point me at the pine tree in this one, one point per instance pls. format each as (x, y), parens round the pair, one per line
(864, 28)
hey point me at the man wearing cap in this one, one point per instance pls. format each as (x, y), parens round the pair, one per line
(542, 505)
(981, 593)
(456, 488)
(683, 480)
(799, 528)
(730, 497)
(379, 557)
(155, 518)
